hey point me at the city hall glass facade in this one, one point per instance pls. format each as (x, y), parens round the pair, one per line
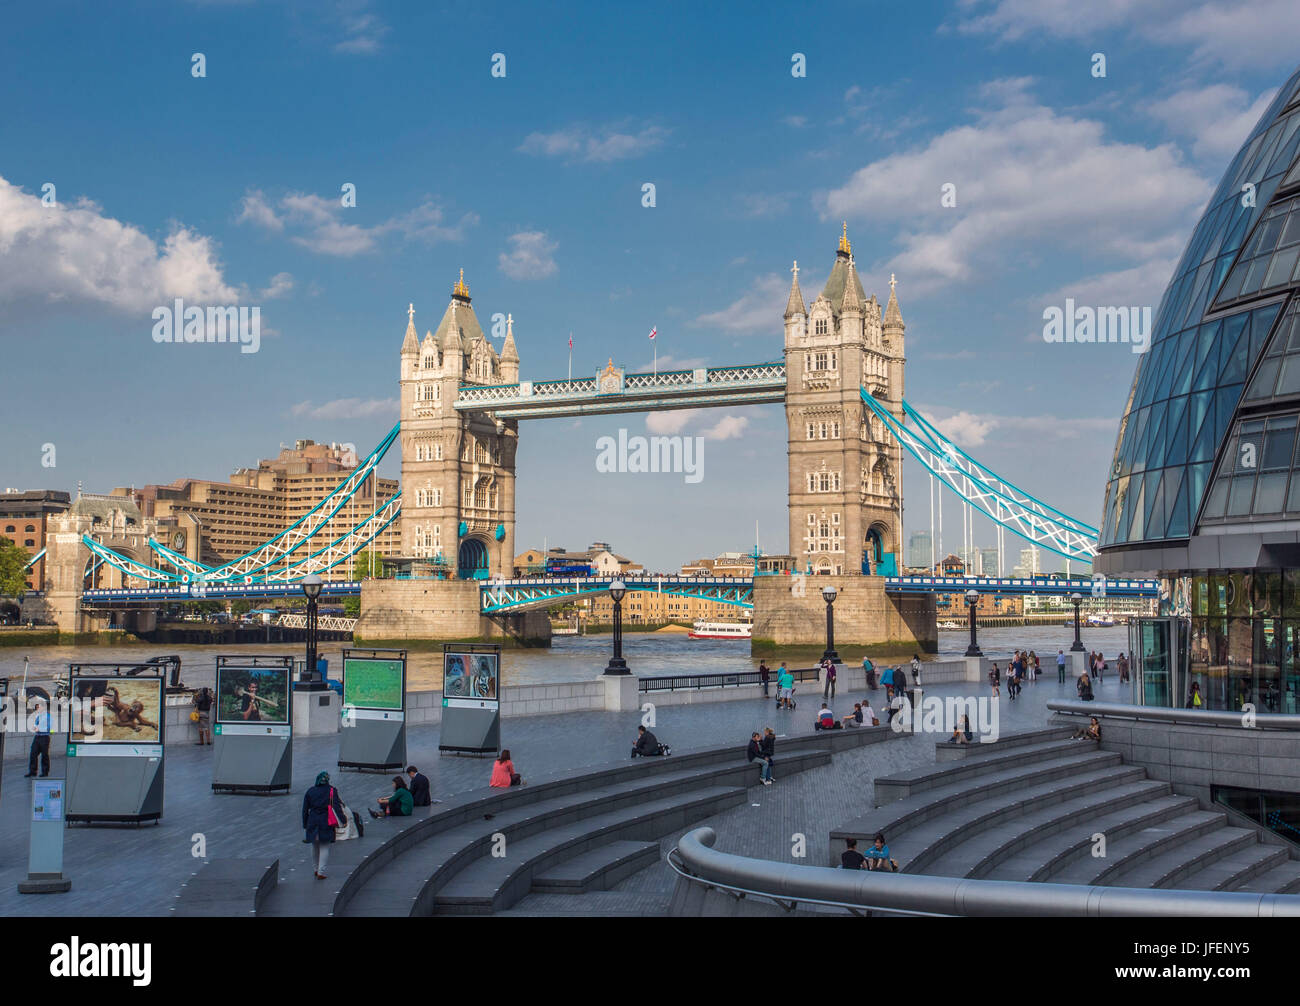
(1204, 486)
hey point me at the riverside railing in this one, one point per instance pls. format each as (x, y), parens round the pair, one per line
(1186, 717)
(861, 891)
(692, 682)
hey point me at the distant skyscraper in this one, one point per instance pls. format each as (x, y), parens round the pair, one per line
(918, 549)
(988, 561)
(1030, 562)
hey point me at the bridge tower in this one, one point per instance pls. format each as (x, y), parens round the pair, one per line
(845, 491)
(458, 469)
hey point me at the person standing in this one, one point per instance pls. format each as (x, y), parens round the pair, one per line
(319, 804)
(40, 740)
(828, 690)
(768, 748)
(1060, 667)
(900, 683)
(869, 669)
(784, 688)
(916, 669)
(764, 675)
(203, 706)
(995, 679)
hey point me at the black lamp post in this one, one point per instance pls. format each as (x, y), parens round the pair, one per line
(1076, 599)
(828, 594)
(972, 600)
(617, 665)
(310, 681)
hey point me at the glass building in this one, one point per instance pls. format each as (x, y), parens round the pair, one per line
(1204, 488)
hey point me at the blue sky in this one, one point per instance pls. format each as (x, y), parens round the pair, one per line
(226, 189)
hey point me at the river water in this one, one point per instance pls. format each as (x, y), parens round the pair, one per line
(570, 658)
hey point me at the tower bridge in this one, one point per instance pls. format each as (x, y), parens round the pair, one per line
(840, 381)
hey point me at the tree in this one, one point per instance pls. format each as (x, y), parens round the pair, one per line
(364, 561)
(13, 568)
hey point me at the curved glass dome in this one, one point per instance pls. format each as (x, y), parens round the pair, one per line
(1212, 334)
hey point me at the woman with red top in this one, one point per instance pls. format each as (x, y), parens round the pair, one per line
(503, 771)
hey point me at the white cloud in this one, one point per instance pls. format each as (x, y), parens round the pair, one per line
(760, 204)
(669, 422)
(1027, 179)
(600, 144)
(1217, 118)
(760, 309)
(667, 361)
(1261, 33)
(317, 223)
(965, 429)
(281, 284)
(74, 252)
(1139, 286)
(726, 428)
(531, 256)
(347, 408)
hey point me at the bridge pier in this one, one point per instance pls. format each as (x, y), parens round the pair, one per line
(789, 613)
(441, 611)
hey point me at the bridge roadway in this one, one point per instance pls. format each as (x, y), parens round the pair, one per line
(524, 593)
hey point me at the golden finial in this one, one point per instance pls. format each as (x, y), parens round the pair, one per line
(460, 289)
(844, 239)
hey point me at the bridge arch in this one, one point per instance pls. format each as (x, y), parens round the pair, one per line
(472, 559)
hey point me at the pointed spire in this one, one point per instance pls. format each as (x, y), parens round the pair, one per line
(845, 248)
(893, 316)
(460, 289)
(851, 301)
(409, 344)
(794, 306)
(508, 351)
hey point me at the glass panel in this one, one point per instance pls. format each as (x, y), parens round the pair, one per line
(1272, 489)
(1243, 487)
(1280, 271)
(1278, 445)
(1293, 497)
(1291, 234)
(1248, 450)
(1291, 592)
(1154, 663)
(1290, 650)
(1218, 498)
(1265, 380)
(1266, 665)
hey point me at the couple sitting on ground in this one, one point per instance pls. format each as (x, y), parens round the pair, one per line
(877, 856)
(403, 799)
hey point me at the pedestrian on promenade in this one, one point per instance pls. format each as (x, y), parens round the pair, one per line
(40, 740)
(1193, 702)
(203, 706)
(396, 804)
(900, 683)
(419, 787)
(322, 811)
(1098, 665)
(784, 688)
(1084, 687)
(869, 669)
(887, 679)
(995, 679)
(1060, 667)
(916, 669)
(828, 668)
(1035, 667)
(755, 753)
(503, 772)
(768, 747)
(764, 675)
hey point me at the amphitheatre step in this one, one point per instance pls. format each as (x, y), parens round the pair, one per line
(227, 887)
(1281, 879)
(434, 857)
(490, 883)
(948, 751)
(1041, 860)
(1038, 821)
(916, 780)
(913, 811)
(1173, 867)
(1229, 872)
(597, 869)
(926, 849)
(1128, 851)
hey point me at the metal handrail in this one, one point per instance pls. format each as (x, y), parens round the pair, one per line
(916, 894)
(686, 682)
(1188, 717)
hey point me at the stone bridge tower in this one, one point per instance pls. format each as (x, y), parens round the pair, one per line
(845, 492)
(458, 469)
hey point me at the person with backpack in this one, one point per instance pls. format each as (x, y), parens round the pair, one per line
(322, 812)
(869, 669)
(203, 706)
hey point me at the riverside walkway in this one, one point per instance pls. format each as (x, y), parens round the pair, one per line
(139, 871)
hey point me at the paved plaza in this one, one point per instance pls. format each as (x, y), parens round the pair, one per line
(132, 870)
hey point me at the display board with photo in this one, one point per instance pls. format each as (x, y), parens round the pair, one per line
(470, 675)
(374, 683)
(253, 695)
(118, 710)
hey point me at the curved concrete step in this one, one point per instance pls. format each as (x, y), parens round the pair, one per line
(928, 847)
(925, 777)
(598, 869)
(1229, 872)
(913, 811)
(1281, 879)
(980, 857)
(492, 883)
(1176, 863)
(947, 751)
(1040, 860)
(1128, 851)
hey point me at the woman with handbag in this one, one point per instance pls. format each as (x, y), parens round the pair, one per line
(202, 714)
(322, 812)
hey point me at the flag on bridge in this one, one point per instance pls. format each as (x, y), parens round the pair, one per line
(653, 333)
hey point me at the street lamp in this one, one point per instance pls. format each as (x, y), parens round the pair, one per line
(1076, 599)
(617, 665)
(973, 599)
(828, 595)
(311, 586)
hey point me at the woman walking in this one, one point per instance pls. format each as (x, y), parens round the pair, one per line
(322, 811)
(995, 679)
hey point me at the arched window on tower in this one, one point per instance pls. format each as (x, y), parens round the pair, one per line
(821, 327)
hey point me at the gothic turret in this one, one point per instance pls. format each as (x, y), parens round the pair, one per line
(410, 348)
(509, 354)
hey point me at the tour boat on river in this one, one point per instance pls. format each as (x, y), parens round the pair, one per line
(720, 630)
